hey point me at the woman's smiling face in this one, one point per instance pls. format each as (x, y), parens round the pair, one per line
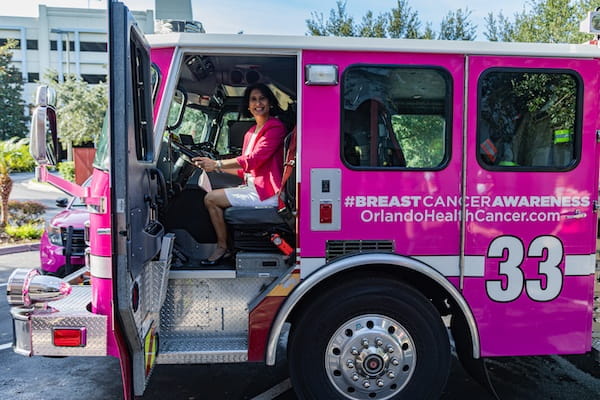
(258, 104)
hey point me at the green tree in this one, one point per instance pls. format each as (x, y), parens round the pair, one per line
(338, 24)
(12, 118)
(456, 25)
(546, 21)
(373, 26)
(402, 21)
(80, 109)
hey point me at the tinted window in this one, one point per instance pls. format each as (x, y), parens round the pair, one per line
(140, 73)
(94, 78)
(33, 77)
(527, 119)
(395, 117)
(99, 47)
(54, 45)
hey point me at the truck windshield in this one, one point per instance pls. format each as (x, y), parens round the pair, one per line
(102, 158)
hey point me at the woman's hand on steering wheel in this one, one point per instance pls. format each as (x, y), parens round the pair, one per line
(206, 163)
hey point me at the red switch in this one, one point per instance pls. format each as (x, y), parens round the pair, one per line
(325, 213)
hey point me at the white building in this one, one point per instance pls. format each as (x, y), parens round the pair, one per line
(43, 43)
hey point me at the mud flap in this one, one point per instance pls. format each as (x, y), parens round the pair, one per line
(475, 367)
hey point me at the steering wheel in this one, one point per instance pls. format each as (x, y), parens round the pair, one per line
(209, 149)
(205, 149)
(161, 195)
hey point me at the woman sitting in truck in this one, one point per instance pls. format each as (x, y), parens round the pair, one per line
(260, 165)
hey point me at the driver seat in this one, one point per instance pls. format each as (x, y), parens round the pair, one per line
(252, 227)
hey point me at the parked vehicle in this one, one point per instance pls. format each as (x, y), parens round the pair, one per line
(427, 180)
(62, 245)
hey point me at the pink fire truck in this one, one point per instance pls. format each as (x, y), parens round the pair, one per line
(435, 189)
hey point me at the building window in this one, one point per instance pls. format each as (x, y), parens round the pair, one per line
(31, 44)
(33, 77)
(93, 78)
(4, 40)
(54, 45)
(528, 119)
(98, 47)
(395, 117)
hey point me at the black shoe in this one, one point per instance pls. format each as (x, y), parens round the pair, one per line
(216, 261)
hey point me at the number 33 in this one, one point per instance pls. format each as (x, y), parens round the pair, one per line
(510, 267)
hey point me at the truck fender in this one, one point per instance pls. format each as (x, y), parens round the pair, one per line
(347, 264)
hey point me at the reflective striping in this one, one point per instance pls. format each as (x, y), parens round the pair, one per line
(575, 265)
(445, 265)
(449, 265)
(310, 265)
(286, 286)
(474, 266)
(578, 265)
(101, 267)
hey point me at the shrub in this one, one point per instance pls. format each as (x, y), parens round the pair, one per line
(26, 231)
(21, 161)
(67, 170)
(25, 212)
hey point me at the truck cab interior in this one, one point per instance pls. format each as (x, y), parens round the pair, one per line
(204, 119)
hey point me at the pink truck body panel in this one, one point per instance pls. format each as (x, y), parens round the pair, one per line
(425, 220)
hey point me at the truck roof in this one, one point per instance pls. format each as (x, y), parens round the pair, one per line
(294, 43)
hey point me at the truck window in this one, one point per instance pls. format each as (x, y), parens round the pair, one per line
(140, 69)
(395, 117)
(528, 119)
(195, 122)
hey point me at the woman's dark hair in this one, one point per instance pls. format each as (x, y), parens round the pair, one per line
(264, 89)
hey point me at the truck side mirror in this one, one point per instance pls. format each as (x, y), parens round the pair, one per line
(43, 121)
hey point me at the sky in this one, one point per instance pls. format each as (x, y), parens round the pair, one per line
(286, 17)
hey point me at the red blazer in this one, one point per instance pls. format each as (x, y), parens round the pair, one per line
(265, 162)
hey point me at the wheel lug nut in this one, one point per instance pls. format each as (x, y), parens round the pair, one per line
(354, 351)
(391, 375)
(365, 343)
(378, 342)
(355, 377)
(350, 364)
(366, 384)
(380, 383)
(395, 361)
(390, 349)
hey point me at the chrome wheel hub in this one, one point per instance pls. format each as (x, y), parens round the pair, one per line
(370, 357)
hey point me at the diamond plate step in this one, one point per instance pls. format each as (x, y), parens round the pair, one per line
(202, 349)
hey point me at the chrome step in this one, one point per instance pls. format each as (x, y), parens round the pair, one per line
(182, 348)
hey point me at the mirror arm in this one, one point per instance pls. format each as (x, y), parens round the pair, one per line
(95, 204)
(70, 188)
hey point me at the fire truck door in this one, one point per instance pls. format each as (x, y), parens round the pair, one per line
(530, 224)
(137, 235)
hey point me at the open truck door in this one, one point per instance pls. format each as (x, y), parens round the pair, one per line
(140, 248)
